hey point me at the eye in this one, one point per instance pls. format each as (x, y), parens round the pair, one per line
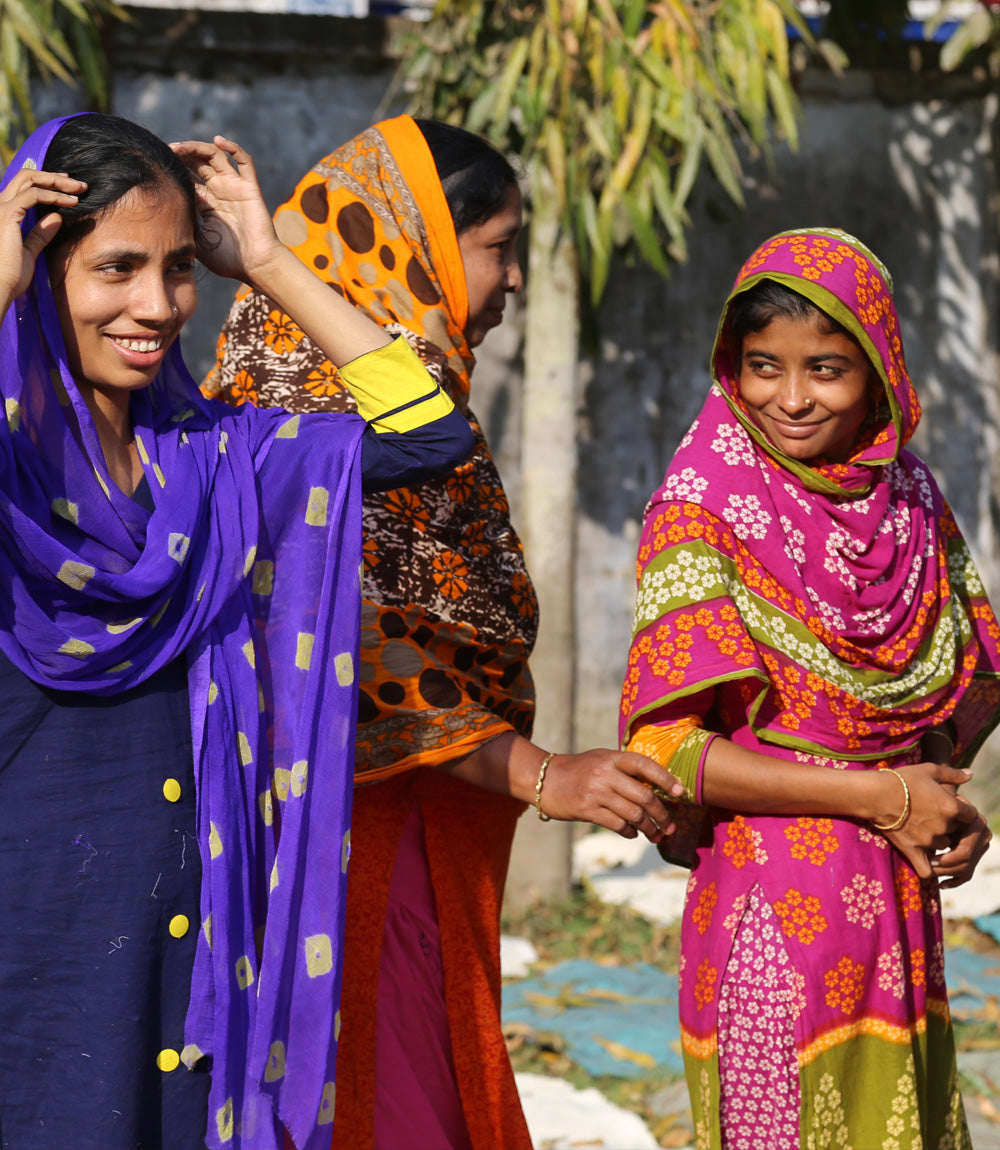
(184, 266)
(828, 371)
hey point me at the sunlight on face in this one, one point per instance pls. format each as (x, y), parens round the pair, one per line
(489, 255)
(807, 389)
(124, 292)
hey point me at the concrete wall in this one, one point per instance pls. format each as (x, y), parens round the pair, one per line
(909, 164)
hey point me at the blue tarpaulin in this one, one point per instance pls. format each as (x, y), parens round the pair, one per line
(619, 1020)
(622, 1020)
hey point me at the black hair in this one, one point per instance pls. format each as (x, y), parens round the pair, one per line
(752, 310)
(113, 156)
(476, 178)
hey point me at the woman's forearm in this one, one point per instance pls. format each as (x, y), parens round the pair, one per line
(612, 789)
(740, 779)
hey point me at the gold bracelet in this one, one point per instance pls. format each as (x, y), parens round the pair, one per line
(538, 787)
(897, 823)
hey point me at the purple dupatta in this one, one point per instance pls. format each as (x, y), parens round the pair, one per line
(248, 566)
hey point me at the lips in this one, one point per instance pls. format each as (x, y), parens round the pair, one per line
(795, 430)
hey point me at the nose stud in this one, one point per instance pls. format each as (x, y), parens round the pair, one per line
(807, 403)
(173, 308)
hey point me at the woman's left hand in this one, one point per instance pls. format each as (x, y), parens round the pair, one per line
(969, 843)
(236, 223)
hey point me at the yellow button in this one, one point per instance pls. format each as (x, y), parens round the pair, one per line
(179, 925)
(168, 1060)
(171, 790)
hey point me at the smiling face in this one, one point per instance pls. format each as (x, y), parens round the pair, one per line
(124, 291)
(808, 389)
(489, 255)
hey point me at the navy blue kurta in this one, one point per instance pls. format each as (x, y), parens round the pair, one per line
(99, 891)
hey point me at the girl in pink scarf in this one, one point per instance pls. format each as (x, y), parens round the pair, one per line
(815, 658)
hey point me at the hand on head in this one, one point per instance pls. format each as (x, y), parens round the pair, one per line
(29, 189)
(239, 238)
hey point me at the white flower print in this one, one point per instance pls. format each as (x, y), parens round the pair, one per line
(747, 517)
(833, 618)
(686, 485)
(863, 901)
(734, 445)
(795, 541)
(804, 504)
(890, 971)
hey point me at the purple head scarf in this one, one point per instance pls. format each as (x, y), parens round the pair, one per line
(248, 566)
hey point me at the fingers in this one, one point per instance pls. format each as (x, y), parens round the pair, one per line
(220, 157)
(916, 856)
(959, 863)
(598, 787)
(951, 775)
(650, 771)
(30, 188)
(42, 233)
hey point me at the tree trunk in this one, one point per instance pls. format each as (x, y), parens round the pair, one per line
(541, 863)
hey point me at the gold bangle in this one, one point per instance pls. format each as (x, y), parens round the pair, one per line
(538, 787)
(896, 824)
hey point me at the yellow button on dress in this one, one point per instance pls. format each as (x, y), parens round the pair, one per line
(179, 925)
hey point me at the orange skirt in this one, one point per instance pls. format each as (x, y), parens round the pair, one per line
(468, 833)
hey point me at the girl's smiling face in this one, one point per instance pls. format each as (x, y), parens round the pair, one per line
(124, 291)
(807, 388)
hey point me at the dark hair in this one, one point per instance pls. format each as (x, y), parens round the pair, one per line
(752, 310)
(476, 178)
(113, 156)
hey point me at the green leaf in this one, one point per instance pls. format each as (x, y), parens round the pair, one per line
(684, 180)
(782, 101)
(509, 79)
(91, 62)
(645, 235)
(725, 166)
(971, 34)
(833, 56)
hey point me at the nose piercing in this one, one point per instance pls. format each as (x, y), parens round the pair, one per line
(173, 308)
(806, 402)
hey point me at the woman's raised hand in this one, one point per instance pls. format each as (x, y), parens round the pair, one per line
(239, 238)
(29, 189)
(241, 243)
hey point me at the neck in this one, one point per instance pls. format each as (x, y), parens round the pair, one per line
(113, 424)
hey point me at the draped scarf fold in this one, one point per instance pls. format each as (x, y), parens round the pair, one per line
(247, 566)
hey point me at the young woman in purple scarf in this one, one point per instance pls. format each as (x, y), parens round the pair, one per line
(178, 644)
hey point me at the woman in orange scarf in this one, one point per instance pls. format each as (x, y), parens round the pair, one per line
(416, 223)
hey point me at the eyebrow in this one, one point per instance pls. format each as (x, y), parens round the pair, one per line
(139, 254)
(809, 359)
